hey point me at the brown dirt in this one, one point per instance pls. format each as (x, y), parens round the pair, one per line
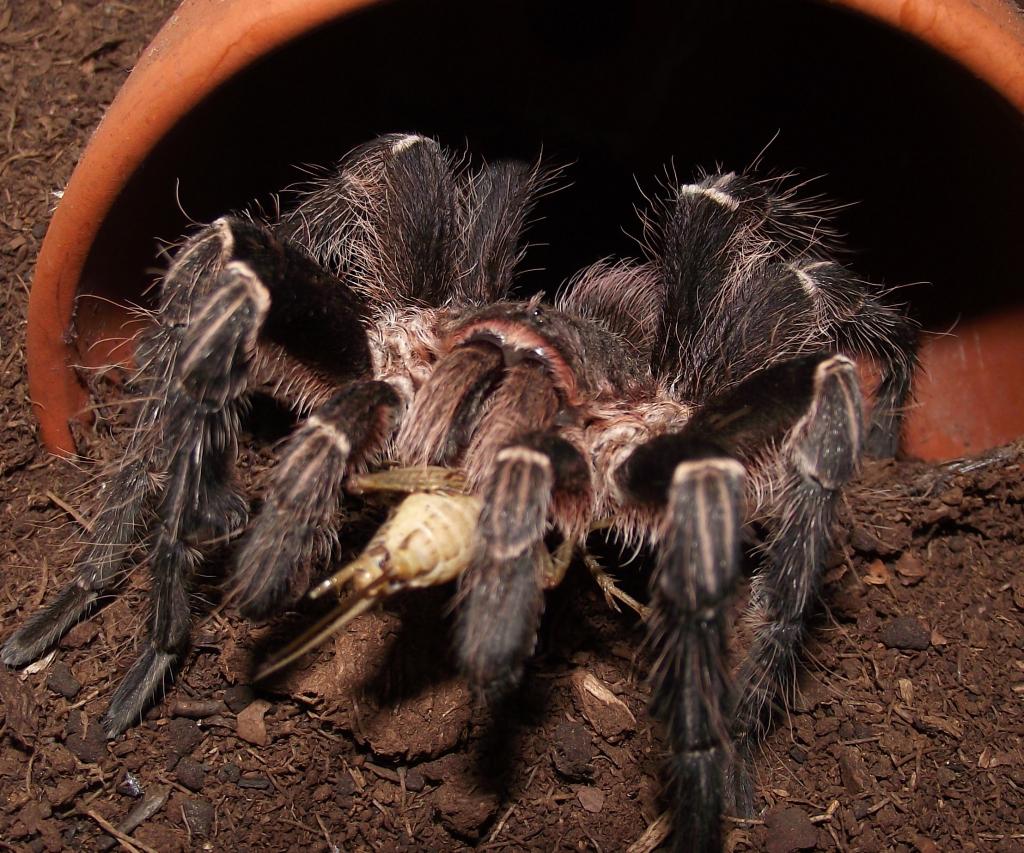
(907, 734)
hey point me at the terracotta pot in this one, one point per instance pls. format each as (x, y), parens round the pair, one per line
(230, 94)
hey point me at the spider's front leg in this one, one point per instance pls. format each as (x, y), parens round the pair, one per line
(200, 422)
(698, 560)
(231, 284)
(293, 531)
(125, 496)
(259, 288)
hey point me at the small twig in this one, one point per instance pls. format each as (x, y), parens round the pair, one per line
(83, 522)
(827, 814)
(14, 158)
(44, 570)
(327, 835)
(130, 844)
(744, 821)
(176, 785)
(500, 825)
(653, 836)
(879, 805)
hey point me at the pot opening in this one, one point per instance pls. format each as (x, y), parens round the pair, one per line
(928, 155)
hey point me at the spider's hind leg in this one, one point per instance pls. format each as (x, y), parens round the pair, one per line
(861, 322)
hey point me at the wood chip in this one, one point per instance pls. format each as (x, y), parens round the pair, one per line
(989, 759)
(150, 804)
(592, 799)
(654, 836)
(910, 570)
(1017, 586)
(945, 725)
(607, 713)
(853, 772)
(19, 706)
(197, 709)
(250, 725)
(877, 574)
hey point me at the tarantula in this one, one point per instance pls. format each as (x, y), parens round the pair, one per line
(681, 398)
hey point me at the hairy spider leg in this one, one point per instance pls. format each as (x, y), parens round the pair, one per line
(704, 241)
(534, 477)
(293, 532)
(444, 413)
(699, 489)
(697, 565)
(330, 344)
(795, 428)
(745, 284)
(498, 200)
(210, 374)
(504, 575)
(819, 456)
(865, 324)
(120, 522)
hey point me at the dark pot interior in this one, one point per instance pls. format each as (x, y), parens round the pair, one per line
(617, 91)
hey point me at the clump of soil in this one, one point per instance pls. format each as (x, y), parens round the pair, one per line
(907, 734)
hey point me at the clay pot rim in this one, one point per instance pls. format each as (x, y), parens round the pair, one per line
(984, 36)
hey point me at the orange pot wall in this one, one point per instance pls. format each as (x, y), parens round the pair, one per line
(203, 44)
(933, 155)
(969, 392)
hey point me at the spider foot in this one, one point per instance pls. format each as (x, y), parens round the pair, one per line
(152, 671)
(46, 626)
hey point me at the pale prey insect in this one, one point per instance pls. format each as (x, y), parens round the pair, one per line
(674, 399)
